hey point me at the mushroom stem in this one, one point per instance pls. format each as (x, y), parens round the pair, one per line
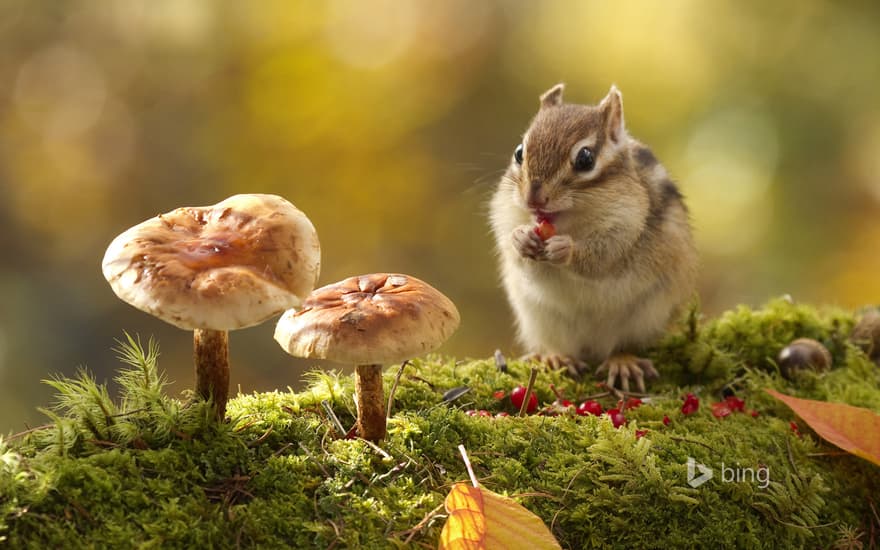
(370, 402)
(211, 357)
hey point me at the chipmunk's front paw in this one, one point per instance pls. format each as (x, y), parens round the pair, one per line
(528, 243)
(559, 249)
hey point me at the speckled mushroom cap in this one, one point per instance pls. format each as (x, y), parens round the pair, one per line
(370, 319)
(221, 267)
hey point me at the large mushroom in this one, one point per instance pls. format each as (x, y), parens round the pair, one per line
(216, 268)
(369, 321)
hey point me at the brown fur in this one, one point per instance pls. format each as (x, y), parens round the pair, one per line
(622, 261)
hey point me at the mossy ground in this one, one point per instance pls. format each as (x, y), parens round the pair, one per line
(150, 471)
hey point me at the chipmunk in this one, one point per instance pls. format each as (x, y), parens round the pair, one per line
(622, 260)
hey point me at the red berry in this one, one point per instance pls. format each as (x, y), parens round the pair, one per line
(471, 412)
(502, 414)
(500, 394)
(641, 433)
(632, 403)
(720, 409)
(589, 407)
(617, 418)
(545, 229)
(734, 403)
(754, 413)
(666, 420)
(691, 404)
(484, 412)
(518, 395)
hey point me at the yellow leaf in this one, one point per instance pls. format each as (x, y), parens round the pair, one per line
(853, 429)
(482, 520)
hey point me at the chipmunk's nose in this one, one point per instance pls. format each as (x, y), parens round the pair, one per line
(534, 199)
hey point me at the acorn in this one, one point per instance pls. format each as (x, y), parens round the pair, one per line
(866, 335)
(803, 353)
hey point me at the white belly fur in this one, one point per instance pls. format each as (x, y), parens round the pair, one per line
(587, 318)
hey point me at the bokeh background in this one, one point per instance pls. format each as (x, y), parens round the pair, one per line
(388, 123)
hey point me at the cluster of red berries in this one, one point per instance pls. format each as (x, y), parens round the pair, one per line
(561, 406)
(616, 415)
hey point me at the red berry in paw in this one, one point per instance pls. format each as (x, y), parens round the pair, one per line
(518, 395)
(589, 407)
(545, 229)
(617, 418)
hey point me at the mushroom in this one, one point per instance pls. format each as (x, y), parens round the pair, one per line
(216, 268)
(369, 320)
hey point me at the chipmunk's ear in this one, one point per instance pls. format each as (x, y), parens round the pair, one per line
(612, 109)
(553, 96)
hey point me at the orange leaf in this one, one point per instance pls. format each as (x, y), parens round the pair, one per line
(482, 520)
(853, 429)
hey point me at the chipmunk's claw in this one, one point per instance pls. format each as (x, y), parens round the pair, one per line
(626, 367)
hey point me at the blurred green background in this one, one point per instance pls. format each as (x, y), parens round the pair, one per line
(388, 123)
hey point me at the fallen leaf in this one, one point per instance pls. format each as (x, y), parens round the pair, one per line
(854, 429)
(481, 519)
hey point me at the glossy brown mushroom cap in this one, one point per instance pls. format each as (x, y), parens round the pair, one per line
(221, 267)
(370, 319)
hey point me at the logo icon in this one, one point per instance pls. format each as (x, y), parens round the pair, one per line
(705, 471)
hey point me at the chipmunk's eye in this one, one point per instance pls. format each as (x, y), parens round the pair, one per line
(518, 154)
(584, 161)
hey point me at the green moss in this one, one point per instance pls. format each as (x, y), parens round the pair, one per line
(156, 472)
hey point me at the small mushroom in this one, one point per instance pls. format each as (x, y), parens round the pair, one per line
(803, 353)
(369, 321)
(866, 335)
(216, 268)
